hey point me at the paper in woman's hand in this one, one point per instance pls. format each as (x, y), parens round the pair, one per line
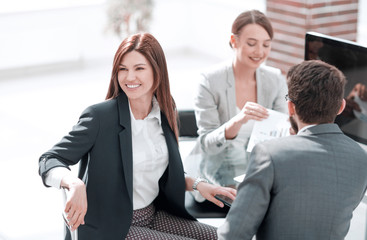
(275, 126)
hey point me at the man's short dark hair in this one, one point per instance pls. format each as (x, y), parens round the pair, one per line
(317, 91)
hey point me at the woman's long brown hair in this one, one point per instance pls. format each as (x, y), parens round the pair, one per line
(150, 48)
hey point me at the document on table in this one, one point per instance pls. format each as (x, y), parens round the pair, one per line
(275, 126)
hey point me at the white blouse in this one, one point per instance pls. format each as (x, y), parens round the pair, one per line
(150, 158)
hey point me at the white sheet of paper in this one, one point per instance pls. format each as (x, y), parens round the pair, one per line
(275, 126)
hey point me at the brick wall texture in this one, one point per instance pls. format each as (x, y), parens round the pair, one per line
(291, 20)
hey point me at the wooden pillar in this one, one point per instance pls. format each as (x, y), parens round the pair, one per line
(291, 19)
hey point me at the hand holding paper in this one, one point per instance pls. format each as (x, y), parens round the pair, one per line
(275, 126)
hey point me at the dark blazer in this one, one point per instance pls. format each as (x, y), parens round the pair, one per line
(101, 141)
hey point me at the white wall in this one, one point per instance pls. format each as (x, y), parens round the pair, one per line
(362, 23)
(53, 36)
(69, 35)
(204, 26)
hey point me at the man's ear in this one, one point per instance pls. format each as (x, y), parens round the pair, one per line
(341, 109)
(291, 108)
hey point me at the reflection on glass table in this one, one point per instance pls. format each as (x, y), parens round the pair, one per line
(223, 167)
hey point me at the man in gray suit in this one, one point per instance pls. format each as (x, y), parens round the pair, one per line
(304, 186)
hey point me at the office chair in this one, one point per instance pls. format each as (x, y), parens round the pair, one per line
(188, 132)
(187, 124)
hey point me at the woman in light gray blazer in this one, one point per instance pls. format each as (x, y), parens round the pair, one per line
(231, 96)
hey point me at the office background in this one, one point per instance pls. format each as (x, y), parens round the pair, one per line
(55, 60)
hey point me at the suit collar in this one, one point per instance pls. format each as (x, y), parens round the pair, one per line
(230, 74)
(305, 128)
(321, 129)
(154, 113)
(124, 111)
(125, 141)
(230, 90)
(263, 90)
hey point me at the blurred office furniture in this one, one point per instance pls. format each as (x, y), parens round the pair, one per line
(187, 125)
(188, 135)
(204, 209)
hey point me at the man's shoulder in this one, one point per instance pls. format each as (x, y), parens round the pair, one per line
(282, 140)
(289, 143)
(279, 149)
(303, 145)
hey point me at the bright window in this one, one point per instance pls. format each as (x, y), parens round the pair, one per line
(36, 5)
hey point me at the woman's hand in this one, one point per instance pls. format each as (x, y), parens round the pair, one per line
(208, 191)
(76, 202)
(251, 111)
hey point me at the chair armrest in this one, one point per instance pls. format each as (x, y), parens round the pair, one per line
(73, 234)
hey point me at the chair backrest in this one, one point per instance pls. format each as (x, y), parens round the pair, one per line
(187, 123)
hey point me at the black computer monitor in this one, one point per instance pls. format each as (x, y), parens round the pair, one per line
(351, 59)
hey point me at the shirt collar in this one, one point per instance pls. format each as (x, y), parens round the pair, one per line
(155, 112)
(305, 128)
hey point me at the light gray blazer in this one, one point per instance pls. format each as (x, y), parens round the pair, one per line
(215, 101)
(299, 187)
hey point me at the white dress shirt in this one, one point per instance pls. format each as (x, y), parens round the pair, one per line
(305, 128)
(150, 158)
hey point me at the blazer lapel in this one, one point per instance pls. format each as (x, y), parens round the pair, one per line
(231, 92)
(172, 145)
(262, 89)
(175, 177)
(126, 141)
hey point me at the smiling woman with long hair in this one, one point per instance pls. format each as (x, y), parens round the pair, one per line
(131, 183)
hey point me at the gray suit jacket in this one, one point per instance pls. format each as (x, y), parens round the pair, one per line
(299, 187)
(215, 101)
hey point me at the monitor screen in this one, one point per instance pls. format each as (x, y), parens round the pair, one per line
(351, 59)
